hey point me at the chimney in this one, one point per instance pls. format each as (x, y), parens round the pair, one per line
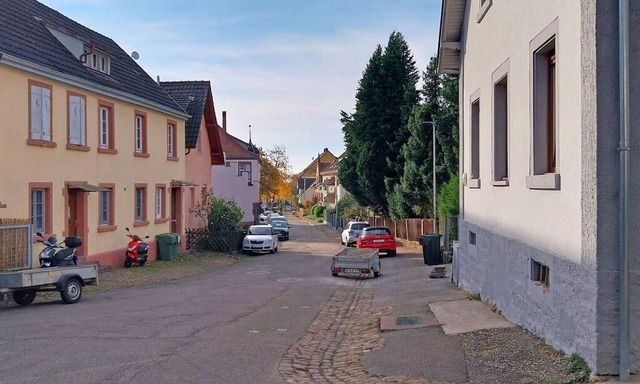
(224, 120)
(326, 150)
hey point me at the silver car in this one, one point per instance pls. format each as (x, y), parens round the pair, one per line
(260, 238)
(352, 231)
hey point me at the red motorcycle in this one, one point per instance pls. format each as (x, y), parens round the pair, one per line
(137, 251)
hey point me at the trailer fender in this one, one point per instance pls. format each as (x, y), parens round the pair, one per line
(62, 282)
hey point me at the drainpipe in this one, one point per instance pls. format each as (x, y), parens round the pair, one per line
(623, 21)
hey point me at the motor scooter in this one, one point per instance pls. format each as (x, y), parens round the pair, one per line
(64, 256)
(137, 251)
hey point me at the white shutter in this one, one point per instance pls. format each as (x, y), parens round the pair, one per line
(36, 112)
(83, 131)
(74, 122)
(46, 114)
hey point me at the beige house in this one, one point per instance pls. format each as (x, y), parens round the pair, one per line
(90, 142)
(310, 179)
(542, 225)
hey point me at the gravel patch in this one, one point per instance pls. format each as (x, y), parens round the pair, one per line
(513, 355)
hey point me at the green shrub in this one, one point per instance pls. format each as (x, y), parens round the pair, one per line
(317, 211)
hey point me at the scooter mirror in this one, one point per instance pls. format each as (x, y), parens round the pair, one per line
(146, 237)
(39, 234)
(127, 228)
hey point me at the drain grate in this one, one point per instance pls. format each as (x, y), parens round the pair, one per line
(408, 320)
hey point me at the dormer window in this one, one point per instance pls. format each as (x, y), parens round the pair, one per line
(97, 60)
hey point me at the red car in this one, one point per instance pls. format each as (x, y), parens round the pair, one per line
(378, 238)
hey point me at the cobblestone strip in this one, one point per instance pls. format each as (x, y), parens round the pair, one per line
(332, 349)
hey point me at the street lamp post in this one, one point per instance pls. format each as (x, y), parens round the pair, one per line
(433, 171)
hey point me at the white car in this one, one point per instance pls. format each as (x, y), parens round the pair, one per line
(260, 238)
(264, 216)
(351, 232)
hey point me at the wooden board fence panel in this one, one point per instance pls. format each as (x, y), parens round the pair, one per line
(15, 243)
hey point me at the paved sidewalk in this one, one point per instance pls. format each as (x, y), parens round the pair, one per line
(426, 331)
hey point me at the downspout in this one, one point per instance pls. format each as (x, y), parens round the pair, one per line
(623, 37)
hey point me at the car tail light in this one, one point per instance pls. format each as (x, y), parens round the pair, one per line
(336, 270)
(365, 271)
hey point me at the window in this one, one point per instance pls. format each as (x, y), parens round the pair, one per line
(501, 126)
(474, 138)
(245, 167)
(140, 205)
(472, 238)
(40, 114)
(172, 148)
(106, 132)
(98, 61)
(37, 210)
(160, 204)
(540, 273)
(40, 207)
(106, 208)
(544, 163)
(77, 123)
(140, 134)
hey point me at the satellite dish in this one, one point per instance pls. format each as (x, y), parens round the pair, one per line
(135, 55)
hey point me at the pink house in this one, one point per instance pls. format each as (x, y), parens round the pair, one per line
(202, 141)
(239, 178)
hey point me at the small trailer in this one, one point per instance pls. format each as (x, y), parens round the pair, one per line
(356, 262)
(23, 284)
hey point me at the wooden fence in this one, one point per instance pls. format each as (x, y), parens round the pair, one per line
(15, 244)
(222, 241)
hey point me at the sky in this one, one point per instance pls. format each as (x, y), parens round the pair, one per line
(284, 67)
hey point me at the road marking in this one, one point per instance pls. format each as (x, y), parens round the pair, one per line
(289, 280)
(282, 329)
(254, 331)
(258, 272)
(285, 307)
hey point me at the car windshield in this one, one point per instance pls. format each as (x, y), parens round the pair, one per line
(259, 231)
(359, 226)
(279, 224)
(376, 231)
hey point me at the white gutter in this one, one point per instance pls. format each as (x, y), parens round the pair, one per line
(36, 69)
(624, 334)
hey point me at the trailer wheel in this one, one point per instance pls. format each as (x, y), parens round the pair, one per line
(25, 297)
(72, 291)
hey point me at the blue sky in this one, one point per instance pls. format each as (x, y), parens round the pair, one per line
(285, 67)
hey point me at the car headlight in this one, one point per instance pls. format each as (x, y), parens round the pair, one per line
(246, 241)
(268, 241)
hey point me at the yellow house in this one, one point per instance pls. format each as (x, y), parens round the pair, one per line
(89, 141)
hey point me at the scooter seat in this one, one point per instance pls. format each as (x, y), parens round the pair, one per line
(62, 255)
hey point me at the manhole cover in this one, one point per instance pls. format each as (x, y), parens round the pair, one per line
(258, 272)
(289, 280)
(408, 320)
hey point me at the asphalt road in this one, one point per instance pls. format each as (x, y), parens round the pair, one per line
(227, 326)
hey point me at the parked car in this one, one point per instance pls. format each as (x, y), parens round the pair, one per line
(264, 216)
(260, 238)
(379, 238)
(275, 217)
(281, 228)
(351, 232)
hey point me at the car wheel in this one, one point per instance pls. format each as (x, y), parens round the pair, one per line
(276, 249)
(393, 253)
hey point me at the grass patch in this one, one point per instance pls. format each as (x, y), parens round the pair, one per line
(579, 369)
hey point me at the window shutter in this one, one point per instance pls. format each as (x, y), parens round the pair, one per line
(74, 122)
(83, 131)
(36, 112)
(46, 114)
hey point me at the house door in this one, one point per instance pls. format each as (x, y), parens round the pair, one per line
(176, 210)
(76, 216)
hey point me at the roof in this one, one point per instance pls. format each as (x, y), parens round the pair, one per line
(27, 42)
(234, 148)
(451, 20)
(192, 97)
(315, 161)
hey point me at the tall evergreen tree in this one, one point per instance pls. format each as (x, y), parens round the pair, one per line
(400, 79)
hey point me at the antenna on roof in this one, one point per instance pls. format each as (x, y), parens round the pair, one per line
(135, 55)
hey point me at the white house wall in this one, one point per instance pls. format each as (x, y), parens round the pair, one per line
(549, 220)
(228, 185)
(574, 229)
